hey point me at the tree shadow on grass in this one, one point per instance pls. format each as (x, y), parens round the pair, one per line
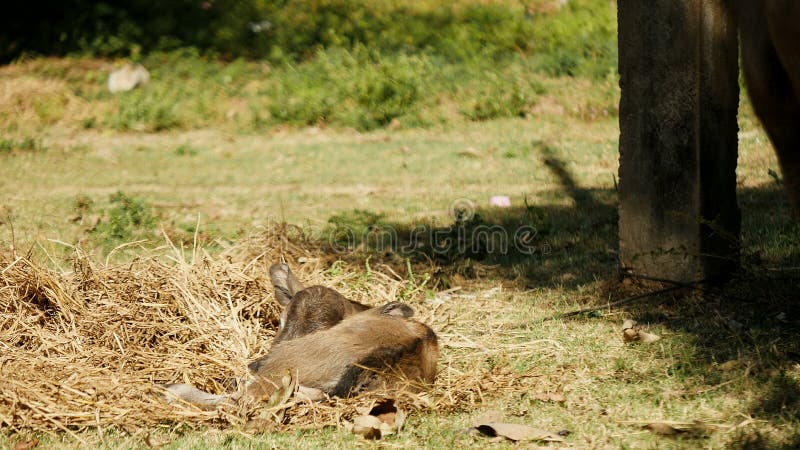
(567, 243)
(751, 323)
(747, 331)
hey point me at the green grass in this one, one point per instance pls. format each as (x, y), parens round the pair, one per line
(578, 39)
(317, 178)
(27, 144)
(360, 88)
(241, 181)
(349, 64)
(126, 219)
(363, 139)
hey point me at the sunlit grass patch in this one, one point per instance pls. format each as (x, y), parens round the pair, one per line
(194, 195)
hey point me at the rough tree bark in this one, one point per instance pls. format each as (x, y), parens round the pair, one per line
(678, 66)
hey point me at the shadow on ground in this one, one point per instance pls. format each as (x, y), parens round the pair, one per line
(750, 326)
(568, 243)
(751, 323)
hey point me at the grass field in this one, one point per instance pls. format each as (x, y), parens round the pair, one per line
(724, 374)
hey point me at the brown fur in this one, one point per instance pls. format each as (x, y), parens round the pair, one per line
(285, 283)
(770, 37)
(334, 346)
(307, 309)
(368, 350)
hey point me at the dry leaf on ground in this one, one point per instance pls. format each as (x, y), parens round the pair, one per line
(26, 445)
(517, 432)
(743, 362)
(470, 152)
(633, 332)
(274, 411)
(490, 424)
(156, 443)
(380, 419)
(729, 365)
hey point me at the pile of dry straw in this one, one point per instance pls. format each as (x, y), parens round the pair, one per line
(82, 349)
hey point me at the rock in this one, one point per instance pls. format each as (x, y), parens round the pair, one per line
(128, 77)
(500, 201)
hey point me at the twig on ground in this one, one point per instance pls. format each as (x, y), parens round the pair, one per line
(626, 300)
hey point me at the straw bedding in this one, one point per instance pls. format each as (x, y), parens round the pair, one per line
(82, 349)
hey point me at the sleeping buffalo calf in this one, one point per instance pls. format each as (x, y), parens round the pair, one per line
(332, 346)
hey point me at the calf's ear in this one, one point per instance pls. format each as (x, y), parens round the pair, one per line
(285, 283)
(397, 309)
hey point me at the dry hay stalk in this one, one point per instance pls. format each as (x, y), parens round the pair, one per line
(82, 349)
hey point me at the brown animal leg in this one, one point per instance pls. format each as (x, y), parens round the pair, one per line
(772, 72)
(783, 20)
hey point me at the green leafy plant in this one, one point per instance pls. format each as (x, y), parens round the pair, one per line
(186, 150)
(126, 219)
(24, 145)
(413, 284)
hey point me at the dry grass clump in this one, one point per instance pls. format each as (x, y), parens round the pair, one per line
(83, 349)
(37, 101)
(47, 91)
